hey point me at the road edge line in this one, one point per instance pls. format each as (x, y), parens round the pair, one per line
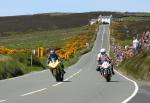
(135, 84)
(135, 90)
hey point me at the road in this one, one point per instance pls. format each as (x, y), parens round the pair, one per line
(82, 83)
(143, 95)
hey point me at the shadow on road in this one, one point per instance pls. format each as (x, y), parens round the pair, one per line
(114, 81)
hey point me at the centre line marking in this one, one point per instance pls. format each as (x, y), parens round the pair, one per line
(2, 101)
(54, 85)
(103, 31)
(33, 92)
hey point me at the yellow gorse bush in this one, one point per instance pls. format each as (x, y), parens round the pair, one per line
(72, 46)
(4, 50)
(69, 49)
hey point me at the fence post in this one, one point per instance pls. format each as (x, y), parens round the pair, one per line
(31, 59)
(33, 52)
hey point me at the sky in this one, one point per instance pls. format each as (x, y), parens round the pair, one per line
(27, 7)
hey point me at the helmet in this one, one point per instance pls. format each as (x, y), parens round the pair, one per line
(52, 52)
(103, 50)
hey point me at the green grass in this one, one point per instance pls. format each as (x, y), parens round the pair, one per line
(138, 66)
(26, 58)
(19, 64)
(137, 18)
(33, 68)
(78, 54)
(10, 68)
(47, 39)
(112, 56)
(125, 42)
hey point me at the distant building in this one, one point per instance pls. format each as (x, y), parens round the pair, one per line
(105, 19)
(93, 21)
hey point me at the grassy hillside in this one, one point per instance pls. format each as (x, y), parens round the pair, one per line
(56, 39)
(137, 18)
(49, 21)
(124, 31)
(139, 65)
(41, 22)
(10, 68)
(52, 31)
(138, 27)
(47, 39)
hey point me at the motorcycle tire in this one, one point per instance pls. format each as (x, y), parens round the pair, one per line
(108, 78)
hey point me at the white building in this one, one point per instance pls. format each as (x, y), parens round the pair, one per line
(105, 19)
(93, 21)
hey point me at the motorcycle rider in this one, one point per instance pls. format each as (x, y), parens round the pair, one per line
(103, 56)
(56, 57)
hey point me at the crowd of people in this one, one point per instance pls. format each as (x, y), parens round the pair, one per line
(146, 40)
(140, 42)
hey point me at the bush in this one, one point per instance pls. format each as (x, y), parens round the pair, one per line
(10, 68)
(26, 59)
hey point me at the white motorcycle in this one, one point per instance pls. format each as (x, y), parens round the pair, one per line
(106, 70)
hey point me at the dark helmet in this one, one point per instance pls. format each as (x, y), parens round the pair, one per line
(52, 51)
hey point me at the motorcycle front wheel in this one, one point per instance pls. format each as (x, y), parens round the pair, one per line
(108, 78)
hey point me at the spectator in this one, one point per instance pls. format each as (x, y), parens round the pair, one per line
(143, 39)
(146, 39)
(126, 47)
(127, 52)
(135, 44)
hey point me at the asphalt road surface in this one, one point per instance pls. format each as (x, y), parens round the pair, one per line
(143, 95)
(83, 84)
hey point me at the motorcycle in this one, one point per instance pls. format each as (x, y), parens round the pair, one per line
(56, 69)
(106, 70)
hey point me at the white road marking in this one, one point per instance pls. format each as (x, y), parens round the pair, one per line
(33, 92)
(135, 90)
(109, 38)
(103, 31)
(2, 101)
(73, 75)
(125, 101)
(54, 85)
(135, 84)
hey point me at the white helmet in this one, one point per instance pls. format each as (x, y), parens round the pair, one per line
(103, 50)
